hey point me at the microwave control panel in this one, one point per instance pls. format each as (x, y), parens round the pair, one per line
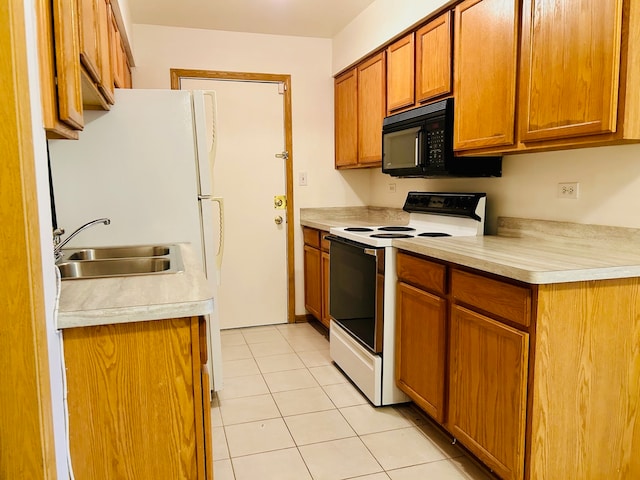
(436, 143)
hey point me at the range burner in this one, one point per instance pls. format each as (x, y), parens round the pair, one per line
(397, 229)
(391, 235)
(358, 229)
(434, 234)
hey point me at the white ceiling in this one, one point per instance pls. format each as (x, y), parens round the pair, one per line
(306, 18)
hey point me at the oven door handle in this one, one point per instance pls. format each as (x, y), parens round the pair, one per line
(365, 248)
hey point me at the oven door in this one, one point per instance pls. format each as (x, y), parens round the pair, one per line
(356, 290)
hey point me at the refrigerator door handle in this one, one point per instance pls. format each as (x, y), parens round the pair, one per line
(220, 202)
(204, 197)
(214, 124)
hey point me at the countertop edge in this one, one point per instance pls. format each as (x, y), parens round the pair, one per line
(534, 276)
(133, 314)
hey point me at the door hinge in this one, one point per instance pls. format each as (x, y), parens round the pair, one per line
(284, 155)
(282, 87)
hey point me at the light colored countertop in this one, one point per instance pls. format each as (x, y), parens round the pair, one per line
(529, 250)
(104, 301)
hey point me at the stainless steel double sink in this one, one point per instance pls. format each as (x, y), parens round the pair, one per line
(104, 262)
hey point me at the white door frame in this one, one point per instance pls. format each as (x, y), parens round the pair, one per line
(178, 74)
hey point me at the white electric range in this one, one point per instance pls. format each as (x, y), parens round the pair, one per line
(362, 298)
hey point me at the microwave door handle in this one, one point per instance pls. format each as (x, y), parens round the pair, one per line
(416, 160)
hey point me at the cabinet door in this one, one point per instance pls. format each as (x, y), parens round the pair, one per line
(313, 281)
(48, 84)
(433, 59)
(400, 74)
(486, 33)
(106, 72)
(116, 51)
(420, 348)
(570, 67)
(135, 400)
(346, 119)
(488, 390)
(371, 109)
(67, 55)
(326, 319)
(87, 29)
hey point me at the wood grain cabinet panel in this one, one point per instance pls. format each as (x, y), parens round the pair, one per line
(346, 119)
(313, 281)
(325, 317)
(137, 408)
(586, 395)
(87, 28)
(104, 41)
(316, 274)
(67, 63)
(422, 273)
(401, 74)
(421, 348)
(488, 364)
(433, 59)
(371, 109)
(360, 107)
(570, 67)
(485, 59)
(53, 124)
(505, 300)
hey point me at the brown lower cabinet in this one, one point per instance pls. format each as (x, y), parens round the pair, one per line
(537, 381)
(139, 405)
(316, 274)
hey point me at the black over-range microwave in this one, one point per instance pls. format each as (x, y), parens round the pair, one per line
(419, 143)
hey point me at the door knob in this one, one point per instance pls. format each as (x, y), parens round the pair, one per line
(278, 220)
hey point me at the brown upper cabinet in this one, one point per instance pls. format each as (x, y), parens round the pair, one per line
(76, 65)
(360, 107)
(579, 71)
(119, 61)
(433, 59)
(419, 65)
(346, 119)
(400, 74)
(59, 55)
(485, 64)
(528, 75)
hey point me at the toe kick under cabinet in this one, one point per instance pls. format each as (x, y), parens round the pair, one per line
(138, 398)
(538, 381)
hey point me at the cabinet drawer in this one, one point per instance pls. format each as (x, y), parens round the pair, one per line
(324, 243)
(505, 300)
(422, 273)
(311, 236)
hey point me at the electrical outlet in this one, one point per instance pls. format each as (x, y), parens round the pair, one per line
(302, 179)
(392, 188)
(568, 190)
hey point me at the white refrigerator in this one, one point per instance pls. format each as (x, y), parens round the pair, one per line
(147, 165)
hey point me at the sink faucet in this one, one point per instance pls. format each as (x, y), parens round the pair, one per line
(58, 232)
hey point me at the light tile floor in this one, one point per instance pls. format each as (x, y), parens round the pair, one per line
(287, 412)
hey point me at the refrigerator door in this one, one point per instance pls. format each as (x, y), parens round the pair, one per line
(211, 218)
(135, 165)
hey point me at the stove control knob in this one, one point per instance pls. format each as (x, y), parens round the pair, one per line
(278, 220)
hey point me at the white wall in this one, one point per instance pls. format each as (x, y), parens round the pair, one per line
(46, 244)
(609, 177)
(307, 60)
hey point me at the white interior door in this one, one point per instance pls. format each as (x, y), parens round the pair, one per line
(250, 131)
